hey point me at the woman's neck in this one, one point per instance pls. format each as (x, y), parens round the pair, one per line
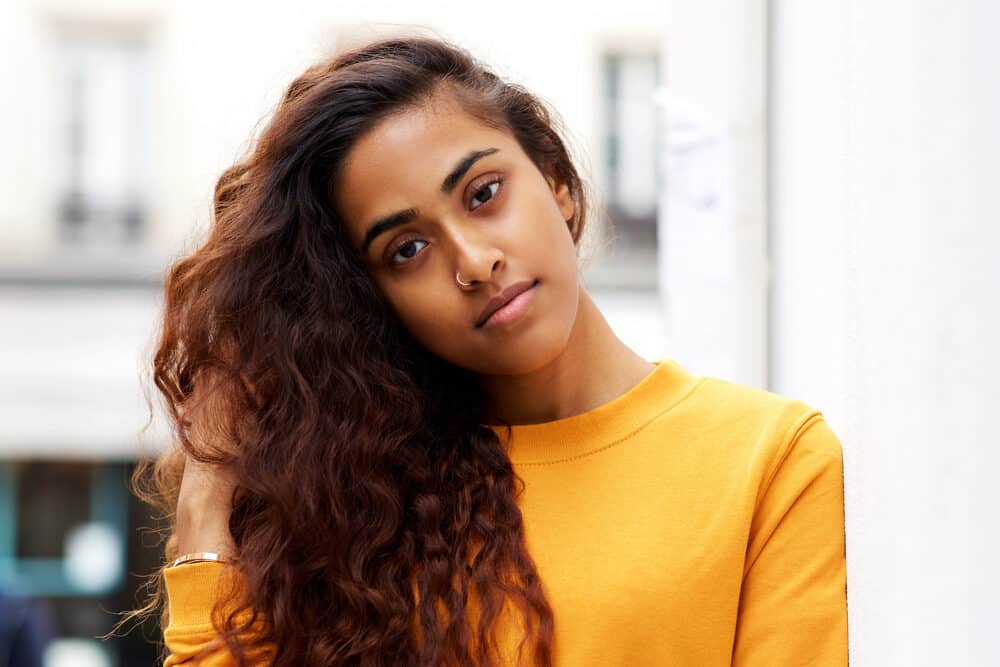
(594, 368)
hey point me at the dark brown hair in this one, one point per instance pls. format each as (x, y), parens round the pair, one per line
(361, 458)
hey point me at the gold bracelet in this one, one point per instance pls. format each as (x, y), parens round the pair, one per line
(199, 557)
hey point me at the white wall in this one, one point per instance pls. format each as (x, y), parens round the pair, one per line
(71, 361)
(886, 158)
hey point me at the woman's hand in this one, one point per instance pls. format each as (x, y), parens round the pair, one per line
(203, 509)
(204, 502)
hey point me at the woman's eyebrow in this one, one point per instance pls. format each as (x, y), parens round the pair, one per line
(388, 222)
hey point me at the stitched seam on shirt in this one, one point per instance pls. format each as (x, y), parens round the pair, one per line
(797, 428)
(623, 438)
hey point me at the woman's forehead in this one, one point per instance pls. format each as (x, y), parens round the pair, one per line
(408, 157)
(412, 141)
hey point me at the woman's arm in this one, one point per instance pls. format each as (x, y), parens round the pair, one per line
(202, 524)
(204, 506)
(793, 602)
(191, 590)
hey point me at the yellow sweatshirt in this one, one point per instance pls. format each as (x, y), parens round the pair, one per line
(690, 521)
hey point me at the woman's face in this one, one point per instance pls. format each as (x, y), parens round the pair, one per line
(472, 202)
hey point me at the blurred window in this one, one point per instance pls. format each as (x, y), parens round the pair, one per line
(72, 535)
(103, 111)
(63, 527)
(632, 166)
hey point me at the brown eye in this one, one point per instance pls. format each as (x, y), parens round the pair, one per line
(403, 249)
(488, 191)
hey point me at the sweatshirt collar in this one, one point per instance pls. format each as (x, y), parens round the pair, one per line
(607, 424)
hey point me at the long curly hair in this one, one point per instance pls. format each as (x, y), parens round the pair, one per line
(372, 502)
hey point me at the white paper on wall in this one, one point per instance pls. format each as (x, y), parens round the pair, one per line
(697, 224)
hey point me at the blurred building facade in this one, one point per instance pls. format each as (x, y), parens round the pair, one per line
(118, 117)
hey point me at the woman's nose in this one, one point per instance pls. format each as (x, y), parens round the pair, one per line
(477, 258)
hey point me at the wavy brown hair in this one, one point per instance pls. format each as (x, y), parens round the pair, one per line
(364, 469)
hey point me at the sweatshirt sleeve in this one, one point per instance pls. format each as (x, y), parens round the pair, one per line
(191, 592)
(793, 601)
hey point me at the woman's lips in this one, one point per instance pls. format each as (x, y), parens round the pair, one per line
(513, 310)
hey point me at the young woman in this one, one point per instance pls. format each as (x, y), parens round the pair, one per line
(407, 436)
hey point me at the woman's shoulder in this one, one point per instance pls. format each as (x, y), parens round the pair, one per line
(737, 403)
(746, 441)
(759, 423)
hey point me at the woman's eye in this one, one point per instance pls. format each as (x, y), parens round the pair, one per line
(403, 250)
(491, 188)
(483, 195)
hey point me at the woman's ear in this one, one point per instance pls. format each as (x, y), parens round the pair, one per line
(564, 198)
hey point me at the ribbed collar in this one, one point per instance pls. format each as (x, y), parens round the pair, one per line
(562, 439)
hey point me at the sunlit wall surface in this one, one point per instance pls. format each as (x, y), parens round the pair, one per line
(885, 162)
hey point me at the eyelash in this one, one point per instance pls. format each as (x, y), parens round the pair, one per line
(404, 241)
